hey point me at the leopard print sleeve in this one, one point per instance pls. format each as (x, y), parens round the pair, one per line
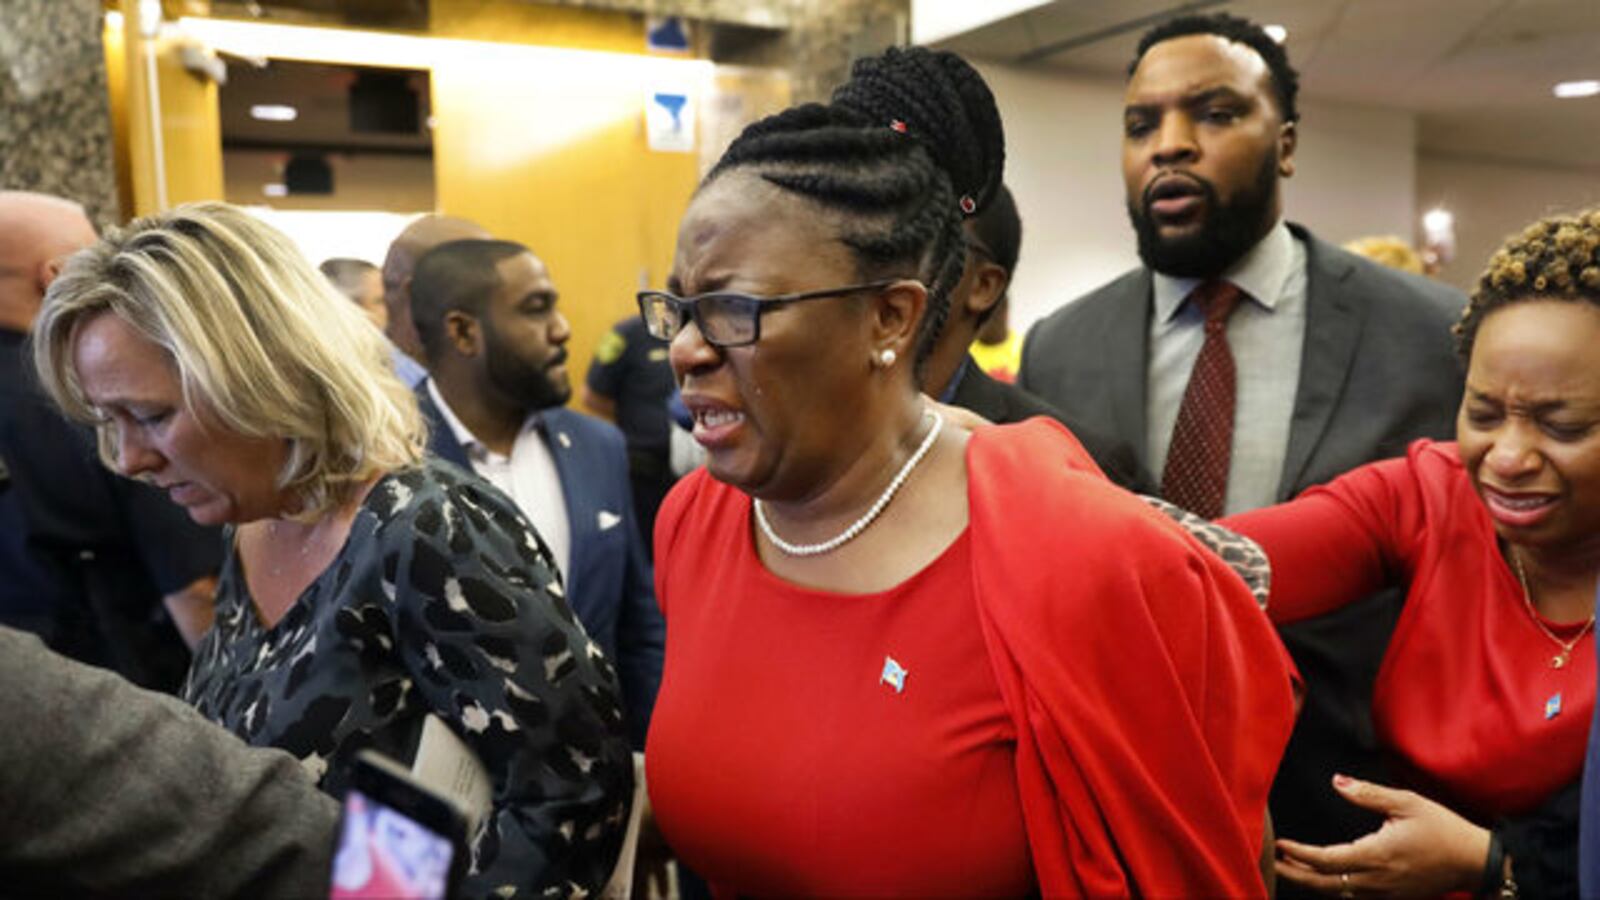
(482, 625)
(1242, 554)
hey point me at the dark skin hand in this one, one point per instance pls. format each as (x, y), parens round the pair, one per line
(1421, 850)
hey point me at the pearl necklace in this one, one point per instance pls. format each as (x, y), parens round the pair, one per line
(866, 519)
(1560, 659)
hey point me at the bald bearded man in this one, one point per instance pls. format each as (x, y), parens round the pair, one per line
(422, 235)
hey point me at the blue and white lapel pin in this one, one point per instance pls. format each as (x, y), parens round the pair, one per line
(894, 675)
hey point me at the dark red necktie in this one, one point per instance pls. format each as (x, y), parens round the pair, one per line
(1196, 476)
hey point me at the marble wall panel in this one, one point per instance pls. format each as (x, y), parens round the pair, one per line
(55, 118)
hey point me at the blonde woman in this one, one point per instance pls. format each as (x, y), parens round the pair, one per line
(363, 587)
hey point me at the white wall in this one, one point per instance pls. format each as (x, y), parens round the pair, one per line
(321, 234)
(1355, 176)
(1355, 173)
(1063, 164)
(1492, 200)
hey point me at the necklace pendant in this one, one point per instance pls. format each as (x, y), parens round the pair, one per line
(1558, 661)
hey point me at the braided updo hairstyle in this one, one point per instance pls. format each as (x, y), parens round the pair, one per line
(1555, 258)
(906, 149)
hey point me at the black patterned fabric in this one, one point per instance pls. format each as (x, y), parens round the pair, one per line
(443, 600)
(1243, 555)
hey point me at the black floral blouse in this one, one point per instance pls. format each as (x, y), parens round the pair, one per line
(442, 600)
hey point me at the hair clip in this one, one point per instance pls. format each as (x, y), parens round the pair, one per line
(898, 125)
(968, 205)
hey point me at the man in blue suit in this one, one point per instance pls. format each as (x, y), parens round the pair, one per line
(494, 342)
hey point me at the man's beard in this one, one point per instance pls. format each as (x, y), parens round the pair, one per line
(529, 387)
(1227, 232)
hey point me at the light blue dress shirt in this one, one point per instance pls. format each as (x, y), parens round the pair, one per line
(409, 370)
(1266, 334)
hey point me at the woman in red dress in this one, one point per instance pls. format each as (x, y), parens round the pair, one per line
(902, 659)
(1486, 690)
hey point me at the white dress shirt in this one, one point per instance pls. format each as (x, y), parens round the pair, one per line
(1266, 334)
(528, 476)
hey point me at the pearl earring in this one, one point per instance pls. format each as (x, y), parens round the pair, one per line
(887, 357)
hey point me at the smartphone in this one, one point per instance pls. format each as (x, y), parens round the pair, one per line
(397, 838)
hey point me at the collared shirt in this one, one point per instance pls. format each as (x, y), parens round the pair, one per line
(410, 371)
(1266, 335)
(528, 476)
(949, 394)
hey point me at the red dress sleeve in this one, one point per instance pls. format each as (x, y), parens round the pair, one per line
(1153, 699)
(1339, 542)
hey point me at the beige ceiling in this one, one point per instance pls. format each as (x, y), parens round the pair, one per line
(1478, 73)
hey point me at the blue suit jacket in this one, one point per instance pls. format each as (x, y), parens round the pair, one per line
(609, 582)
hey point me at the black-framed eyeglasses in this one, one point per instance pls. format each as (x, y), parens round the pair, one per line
(726, 318)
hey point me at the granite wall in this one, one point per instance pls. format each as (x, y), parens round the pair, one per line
(827, 35)
(55, 121)
(813, 40)
(55, 118)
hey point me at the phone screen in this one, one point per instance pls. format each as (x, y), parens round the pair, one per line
(384, 853)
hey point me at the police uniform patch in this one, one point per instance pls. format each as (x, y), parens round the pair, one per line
(610, 348)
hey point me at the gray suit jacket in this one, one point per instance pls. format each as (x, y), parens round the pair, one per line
(1003, 404)
(110, 790)
(1377, 370)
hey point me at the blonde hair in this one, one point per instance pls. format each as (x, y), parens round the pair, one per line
(1390, 251)
(258, 337)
